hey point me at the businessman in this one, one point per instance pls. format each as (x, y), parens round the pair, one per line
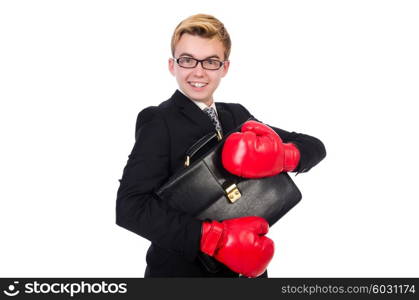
(200, 51)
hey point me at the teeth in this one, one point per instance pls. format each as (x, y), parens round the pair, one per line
(197, 84)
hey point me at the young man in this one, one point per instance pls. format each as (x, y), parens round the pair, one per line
(200, 48)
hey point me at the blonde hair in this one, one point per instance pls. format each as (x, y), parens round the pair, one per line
(205, 26)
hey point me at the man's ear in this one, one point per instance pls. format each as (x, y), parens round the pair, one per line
(172, 66)
(226, 66)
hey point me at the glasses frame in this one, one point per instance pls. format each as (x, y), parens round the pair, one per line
(201, 61)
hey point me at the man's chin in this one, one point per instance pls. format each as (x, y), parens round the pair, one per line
(197, 96)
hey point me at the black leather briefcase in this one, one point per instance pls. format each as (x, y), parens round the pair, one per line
(204, 189)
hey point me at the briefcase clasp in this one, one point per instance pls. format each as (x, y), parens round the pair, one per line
(233, 193)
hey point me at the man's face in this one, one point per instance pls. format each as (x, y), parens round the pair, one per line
(190, 81)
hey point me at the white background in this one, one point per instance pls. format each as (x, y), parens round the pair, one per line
(75, 74)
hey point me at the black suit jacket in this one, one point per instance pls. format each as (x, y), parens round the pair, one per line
(163, 134)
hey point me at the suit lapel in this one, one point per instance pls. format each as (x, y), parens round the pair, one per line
(191, 111)
(225, 117)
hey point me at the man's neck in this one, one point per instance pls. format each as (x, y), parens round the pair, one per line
(197, 102)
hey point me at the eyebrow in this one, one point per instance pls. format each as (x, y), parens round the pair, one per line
(188, 54)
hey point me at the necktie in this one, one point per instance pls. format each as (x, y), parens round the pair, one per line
(213, 116)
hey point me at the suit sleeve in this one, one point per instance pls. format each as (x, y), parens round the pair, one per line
(312, 150)
(137, 209)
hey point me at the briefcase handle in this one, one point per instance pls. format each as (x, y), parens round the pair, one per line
(203, 141)
(198, 145)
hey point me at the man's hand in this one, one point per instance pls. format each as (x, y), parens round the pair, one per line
(239, 244)
(258, 151)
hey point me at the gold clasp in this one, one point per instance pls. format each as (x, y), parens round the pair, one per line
(219, 135)
(233, 193)
(187, 161)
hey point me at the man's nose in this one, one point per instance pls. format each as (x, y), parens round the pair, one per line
(199, 70)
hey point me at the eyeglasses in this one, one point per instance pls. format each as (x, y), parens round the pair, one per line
(207, 64)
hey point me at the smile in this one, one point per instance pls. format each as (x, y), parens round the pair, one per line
(197, 84)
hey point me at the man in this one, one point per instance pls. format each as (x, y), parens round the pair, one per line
(200, 48)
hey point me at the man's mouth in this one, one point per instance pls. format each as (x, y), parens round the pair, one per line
(197, 84)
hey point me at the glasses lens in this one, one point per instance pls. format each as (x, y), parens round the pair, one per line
(187, 62)
(212, 64)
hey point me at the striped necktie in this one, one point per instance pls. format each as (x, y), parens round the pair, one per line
(210, 111)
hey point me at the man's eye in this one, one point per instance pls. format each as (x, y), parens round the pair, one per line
(211, 61)
(186, 59)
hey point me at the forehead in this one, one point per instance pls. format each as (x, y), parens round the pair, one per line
(199, 47)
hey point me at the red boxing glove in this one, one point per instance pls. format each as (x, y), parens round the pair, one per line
(239, 244)
(257, 151)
